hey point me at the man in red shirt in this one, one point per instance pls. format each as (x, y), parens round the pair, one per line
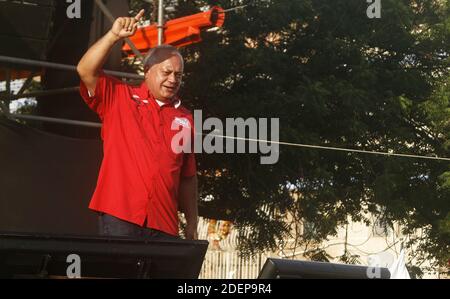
(142, 182)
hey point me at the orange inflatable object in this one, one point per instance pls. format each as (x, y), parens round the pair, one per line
(178, 32)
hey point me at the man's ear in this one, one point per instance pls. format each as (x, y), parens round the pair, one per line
(146, 71)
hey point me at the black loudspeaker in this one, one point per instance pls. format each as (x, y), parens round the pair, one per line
(279, 269)
(44, 256)
(26, 27)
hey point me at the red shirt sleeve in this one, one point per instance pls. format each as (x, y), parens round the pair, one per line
(105, 94)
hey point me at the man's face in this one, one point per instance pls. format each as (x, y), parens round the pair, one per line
(164, 79)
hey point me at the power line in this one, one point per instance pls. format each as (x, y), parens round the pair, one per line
(341, 149)
(333, 148)
(235, 8)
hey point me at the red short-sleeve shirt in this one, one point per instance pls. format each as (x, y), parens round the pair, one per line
(140, 173)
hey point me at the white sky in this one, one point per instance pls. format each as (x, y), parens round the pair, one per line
(15, 87)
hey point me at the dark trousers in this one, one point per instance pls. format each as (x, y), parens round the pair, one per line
(115, 227)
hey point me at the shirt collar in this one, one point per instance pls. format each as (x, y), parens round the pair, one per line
(175, 102)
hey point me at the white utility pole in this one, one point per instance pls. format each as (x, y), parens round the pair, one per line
(160, 22)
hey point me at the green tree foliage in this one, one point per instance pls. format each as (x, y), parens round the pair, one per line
(333, 77)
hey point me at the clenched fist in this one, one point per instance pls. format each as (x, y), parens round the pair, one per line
(125, 26)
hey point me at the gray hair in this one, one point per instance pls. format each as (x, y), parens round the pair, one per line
(155, 55)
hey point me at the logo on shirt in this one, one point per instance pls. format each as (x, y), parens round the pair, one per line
(138, 100)
(184, 122)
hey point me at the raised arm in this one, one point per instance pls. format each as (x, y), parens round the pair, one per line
(93, 60)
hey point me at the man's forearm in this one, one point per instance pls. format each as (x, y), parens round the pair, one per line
(95, 57)
(188, 199)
